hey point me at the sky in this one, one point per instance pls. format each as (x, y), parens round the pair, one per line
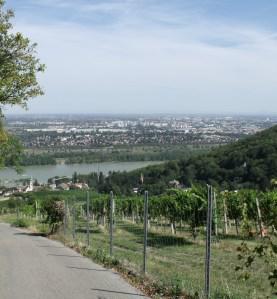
(153, 56)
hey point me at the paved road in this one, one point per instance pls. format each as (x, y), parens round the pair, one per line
(33, 267)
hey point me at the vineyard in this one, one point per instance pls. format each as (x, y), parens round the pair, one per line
(176, 233)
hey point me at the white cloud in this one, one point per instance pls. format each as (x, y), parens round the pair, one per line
(106, 6)
(53, 3)
(101, 6)
(138, 66)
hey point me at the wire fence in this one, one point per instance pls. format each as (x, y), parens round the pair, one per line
(184, 240)
(194, 249)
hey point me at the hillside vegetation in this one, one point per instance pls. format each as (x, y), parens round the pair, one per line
(251, 162)
(248, 163)
(176, 237)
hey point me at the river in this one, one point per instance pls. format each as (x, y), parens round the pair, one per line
(42, 173)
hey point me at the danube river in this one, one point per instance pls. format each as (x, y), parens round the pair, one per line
(42, 173)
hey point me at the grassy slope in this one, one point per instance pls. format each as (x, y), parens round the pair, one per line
(177, 261)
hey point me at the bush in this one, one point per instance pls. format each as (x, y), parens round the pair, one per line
(102, 257)
(55, 211)
(20, 223)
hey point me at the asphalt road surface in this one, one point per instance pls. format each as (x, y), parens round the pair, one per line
(33, 267)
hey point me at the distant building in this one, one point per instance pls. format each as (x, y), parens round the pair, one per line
(52, 186)
(60, 180)
(29, 187)
(174, 184)
(7, 192)
(63, 186)
(79, 186)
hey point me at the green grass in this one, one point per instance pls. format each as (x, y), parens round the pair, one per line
(7, 218)
(179, 261)
(173, 262)
(25, 222)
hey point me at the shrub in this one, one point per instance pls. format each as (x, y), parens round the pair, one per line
(102, 257)
(20, 223)
(55, 211)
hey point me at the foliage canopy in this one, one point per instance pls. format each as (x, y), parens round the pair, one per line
(19, 67)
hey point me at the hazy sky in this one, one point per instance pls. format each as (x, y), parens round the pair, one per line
(141, 56)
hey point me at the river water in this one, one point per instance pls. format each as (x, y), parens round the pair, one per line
(42, 173)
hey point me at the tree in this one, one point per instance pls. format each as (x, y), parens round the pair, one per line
(10, 149)
(54, 209)
(18, 77)
(75, 177)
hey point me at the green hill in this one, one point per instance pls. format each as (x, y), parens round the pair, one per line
(248, 163)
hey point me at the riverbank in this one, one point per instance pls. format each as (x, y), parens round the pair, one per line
(135, 153)
(43, 172)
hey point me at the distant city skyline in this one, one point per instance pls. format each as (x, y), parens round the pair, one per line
(153, 56)
(28, 114)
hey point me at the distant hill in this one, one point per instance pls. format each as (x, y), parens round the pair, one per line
(248, 163)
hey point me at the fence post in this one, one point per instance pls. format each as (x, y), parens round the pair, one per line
(145, 218)
(111, 222)
(88, 218)
(225, 217)
(208, 242)
(65, 218)
(36, 205)
(261, 227)
(17, 214)
(215, 215)
(74, 222)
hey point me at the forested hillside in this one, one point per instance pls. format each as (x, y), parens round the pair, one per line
(248, 163)
(251, 162)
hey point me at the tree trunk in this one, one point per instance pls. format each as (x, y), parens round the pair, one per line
(137, 214)
(237, 226)
(194, 232)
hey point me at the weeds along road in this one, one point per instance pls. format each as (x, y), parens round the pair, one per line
(33, 267)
